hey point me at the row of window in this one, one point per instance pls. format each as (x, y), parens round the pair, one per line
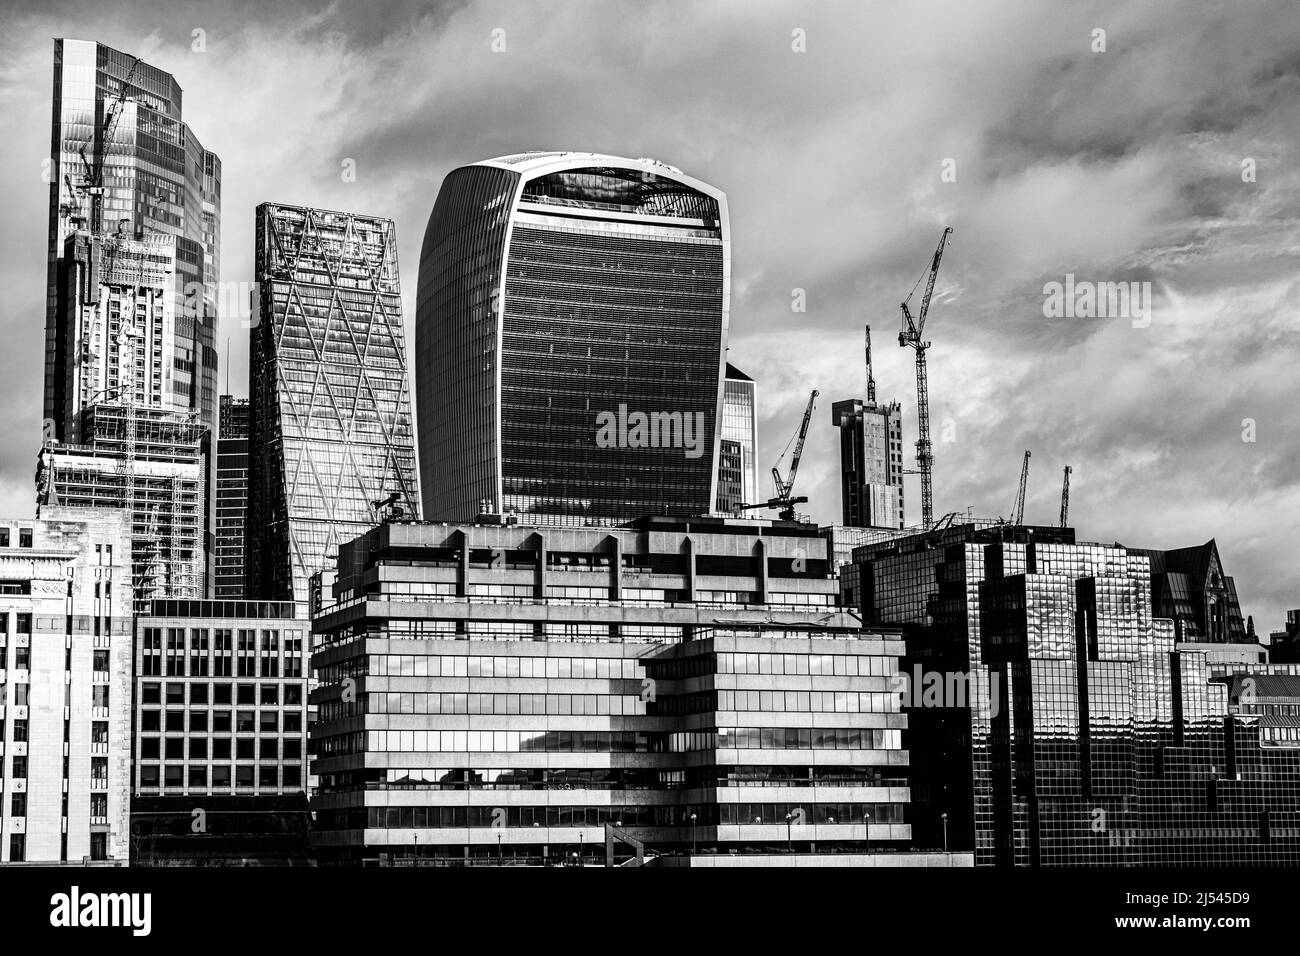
(562, 668)
(498, 704)
(633, 815)
(606, 778)
(804, 701)
(151, 693)
(245, 748)
(24, 537)
(197, 722)
(244, 776)
(21, 695)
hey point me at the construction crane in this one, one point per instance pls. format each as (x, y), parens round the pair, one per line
(388, 509)
(911, 335)
(1065, 495)
(93, 176)
(1018, 509)
(871, 378)
(91, 182)
(784, 486)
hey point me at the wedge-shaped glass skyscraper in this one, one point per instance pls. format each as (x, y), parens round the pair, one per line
(571, 331)
(329, 414)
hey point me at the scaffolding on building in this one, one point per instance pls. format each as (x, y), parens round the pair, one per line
(153, 462)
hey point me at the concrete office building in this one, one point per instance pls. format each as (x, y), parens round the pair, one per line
(499, 692)
(871, 457)
(220, 699)
(871, 463)
(231, 499)
(571, 332)
(1087, 734)
(329, 412)
(65, 687)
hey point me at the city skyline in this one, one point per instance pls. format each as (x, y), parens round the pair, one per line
(1154, 194)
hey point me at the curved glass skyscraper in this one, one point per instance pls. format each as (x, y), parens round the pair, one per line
(571, 329)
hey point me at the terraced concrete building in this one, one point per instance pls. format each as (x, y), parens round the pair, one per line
(504, 693)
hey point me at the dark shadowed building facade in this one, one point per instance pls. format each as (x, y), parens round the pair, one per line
(556, 288)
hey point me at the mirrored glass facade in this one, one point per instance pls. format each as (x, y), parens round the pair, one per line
(557, 292)
(738, 466)
(1088, 737)
(329, 411)
(231, 499)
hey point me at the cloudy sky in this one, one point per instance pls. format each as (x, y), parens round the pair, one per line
(831, 127)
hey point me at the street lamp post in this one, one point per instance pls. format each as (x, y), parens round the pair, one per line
(944, 817)
(500, 852)
(693, 844)
(789, 823)
(866, 831)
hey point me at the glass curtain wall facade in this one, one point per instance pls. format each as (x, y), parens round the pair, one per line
(740, 427)
(1086, 736)
(131, 293)
(231, 499)
(559, 292)
(329, 414)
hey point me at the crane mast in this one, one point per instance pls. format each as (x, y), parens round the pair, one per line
(784, 486)
(1065, 495)
(871, 379)
(911, 335)
(783, 498)
(1018, 510)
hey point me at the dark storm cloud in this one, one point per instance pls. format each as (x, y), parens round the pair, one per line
(1109, 166)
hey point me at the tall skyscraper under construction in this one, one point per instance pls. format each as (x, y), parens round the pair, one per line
(571, 330)
(871, 457)
(134, 234)
(332, 449)
(130, 367)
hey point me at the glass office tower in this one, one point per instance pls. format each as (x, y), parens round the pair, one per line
(737, 465)
(231, 499)
(1088, 736)
(571, 332)
(131, 280)
(329, 411)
